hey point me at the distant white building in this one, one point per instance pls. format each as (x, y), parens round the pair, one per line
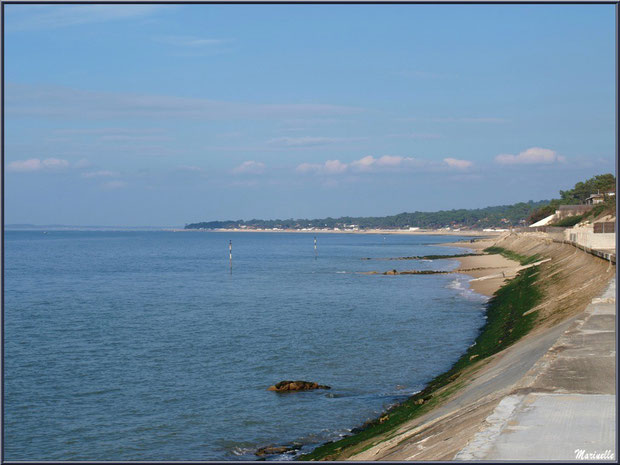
(545, 221)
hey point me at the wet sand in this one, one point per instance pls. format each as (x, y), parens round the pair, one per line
(489, 272)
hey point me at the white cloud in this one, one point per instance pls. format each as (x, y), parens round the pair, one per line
(456, 163)
(133, 138)
(190, 41)
(32, 17)
(33, 164)
(250, 167)
(386, 162)
(100, 174)
(334, 167)
(365, 164)
(309, 168)
(414, 135)
(82, 163)
(190, 168)
(484, 119)
(389, 160)
(55, 163)
(36, 164)
(534, 155)
(107, 131)
(309, 141)
(111, 185)
(62, 102)
(329, 167)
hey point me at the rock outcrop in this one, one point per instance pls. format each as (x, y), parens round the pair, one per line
(291, 386)
(276, 450)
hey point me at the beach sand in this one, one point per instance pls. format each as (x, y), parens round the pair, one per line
(493, 269)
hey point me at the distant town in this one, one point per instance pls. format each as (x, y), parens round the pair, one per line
(587, 200)
(348, 228)
(496, 218)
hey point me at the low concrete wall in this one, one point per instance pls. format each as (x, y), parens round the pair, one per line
(609, 256)
(586, 237)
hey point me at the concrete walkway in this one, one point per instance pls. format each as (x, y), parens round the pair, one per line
(566, 409)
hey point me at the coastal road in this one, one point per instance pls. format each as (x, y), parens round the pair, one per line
(568, 411)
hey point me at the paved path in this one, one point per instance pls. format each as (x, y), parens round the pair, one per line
(568, 411)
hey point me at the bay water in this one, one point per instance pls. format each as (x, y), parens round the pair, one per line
(143, 345)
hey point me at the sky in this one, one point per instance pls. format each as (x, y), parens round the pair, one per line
(162, 115)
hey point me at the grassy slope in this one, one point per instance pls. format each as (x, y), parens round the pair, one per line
(505, 325)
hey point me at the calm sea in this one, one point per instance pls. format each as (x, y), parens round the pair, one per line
(144, 346)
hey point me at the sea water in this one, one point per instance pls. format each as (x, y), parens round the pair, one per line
(147, 346)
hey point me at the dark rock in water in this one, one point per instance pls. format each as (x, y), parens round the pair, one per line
(395, 272)
(291, 386)
(275, 450)
(271, 450)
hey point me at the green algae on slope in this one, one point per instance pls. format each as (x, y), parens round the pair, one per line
(506, 323)
(510, 255)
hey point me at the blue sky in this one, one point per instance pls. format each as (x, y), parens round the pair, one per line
(168, 114)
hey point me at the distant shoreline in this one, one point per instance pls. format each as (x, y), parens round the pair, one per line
(33, 227)
(419, 232)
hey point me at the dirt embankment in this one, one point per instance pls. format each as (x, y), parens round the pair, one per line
(568, 282)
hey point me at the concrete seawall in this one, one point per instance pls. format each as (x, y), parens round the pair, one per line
(549, 396)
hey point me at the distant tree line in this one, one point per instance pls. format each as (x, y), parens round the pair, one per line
(498, 216)
(489, 217)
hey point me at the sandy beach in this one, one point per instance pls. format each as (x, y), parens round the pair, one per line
(489, 271)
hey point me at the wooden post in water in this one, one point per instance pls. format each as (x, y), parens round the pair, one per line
(315, 252)
(230, 254)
